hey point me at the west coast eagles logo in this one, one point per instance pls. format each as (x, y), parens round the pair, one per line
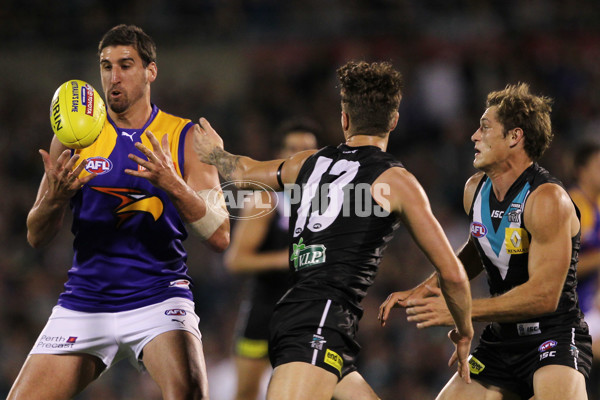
(133, 201)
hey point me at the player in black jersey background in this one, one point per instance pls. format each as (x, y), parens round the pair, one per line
(525, 233)
(259, 250)
(347, 202)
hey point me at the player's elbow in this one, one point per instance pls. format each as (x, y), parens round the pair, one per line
(546, 302)
(456, 275)
(219, 241)
(33, 240)
(36, 239)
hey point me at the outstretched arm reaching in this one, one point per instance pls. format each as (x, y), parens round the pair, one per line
(244, 171)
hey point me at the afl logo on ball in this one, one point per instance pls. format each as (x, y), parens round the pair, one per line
(99, 165)
(478, 229)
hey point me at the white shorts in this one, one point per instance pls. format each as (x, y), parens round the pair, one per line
(114, 336)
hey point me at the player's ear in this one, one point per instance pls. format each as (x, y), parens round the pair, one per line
(345, 120)
(394, 121)
(151, 72)
(515, 136)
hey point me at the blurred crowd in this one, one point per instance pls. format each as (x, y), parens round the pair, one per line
(247, 65)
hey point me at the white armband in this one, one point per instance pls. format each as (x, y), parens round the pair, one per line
(216, 213)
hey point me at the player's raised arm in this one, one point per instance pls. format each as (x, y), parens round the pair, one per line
(59, 183)
(245, 171)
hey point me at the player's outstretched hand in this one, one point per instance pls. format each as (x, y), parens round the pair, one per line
(394, 300)
(429, 311)
(461, 354)
(63, 176)
(158, 167)
(404, 299)
(207, 141)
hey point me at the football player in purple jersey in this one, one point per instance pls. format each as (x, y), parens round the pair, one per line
(128, 293)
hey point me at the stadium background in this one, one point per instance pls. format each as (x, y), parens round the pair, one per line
(248, 64)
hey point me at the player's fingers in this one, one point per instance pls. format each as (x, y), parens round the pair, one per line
(383, 314)
(415, 310)
(418, 302)
(422, 317)
(402, 303)
(140, 161)
(156, 147)
(464, 371)
(419, 317)
(204, 125)
(134, 172)
(147, 152)
(63, 164)
(152, 138)
(381, 310)
(63, 157)
(198, 130)
(428, 324)
(45, 159)
(71, 162)
(434, 290)
(79, 168)
(453, 358)
(87, 178)
(164, 141)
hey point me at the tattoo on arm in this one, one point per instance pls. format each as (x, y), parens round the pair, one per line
(225, 162)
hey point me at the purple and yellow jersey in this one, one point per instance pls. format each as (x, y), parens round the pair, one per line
(590, 241)
(128, 250)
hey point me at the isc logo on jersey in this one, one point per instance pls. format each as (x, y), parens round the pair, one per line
(478, 229)
(99, 165)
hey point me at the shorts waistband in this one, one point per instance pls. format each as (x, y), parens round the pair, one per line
(519, 329)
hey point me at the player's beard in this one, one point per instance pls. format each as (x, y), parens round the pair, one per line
(119, 106)
(124, 102)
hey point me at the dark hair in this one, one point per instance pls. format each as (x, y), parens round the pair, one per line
(371, 93)
(130, 35)
(294, 124)
(584, 151)
(517, 107)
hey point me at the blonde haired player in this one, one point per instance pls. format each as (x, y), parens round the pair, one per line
(132, 194)
(525, 233)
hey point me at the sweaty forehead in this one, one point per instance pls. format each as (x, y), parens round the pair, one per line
(117, 53)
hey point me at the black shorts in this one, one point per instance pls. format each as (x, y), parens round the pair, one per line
(252, 330)
(320, 333)
(511, 363)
